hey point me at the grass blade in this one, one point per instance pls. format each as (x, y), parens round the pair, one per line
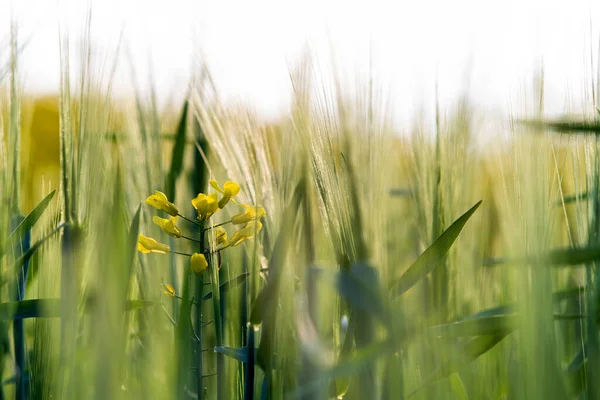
(266, 300)
(492, 325)
(178, 154)
(468, 353)
(569, 127)
(432, 257)
(364, 358)
(230, 284)
(50, 308)
(579, 359)
(27, 224)
(554, 258)
(31, 250)
(572, 198)
(241, 354)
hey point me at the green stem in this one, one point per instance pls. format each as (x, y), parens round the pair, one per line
(198, 331)
(180, 253)
(214, 226)
(219, 249)
(216, 298)
(189, 220)
(190, 239)
(198, 334)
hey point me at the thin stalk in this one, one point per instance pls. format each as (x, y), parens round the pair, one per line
(18, 326)
(189, 220)
(214, 226)
(180, 253)
(14, 151)
(248, 334)
(69, 242)
(198, 331)
(216, 298)
(190, 239)
(310, 371)
(439, 293)
(249, 372)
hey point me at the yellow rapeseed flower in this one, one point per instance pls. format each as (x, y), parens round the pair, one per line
(252, 213)
(159, 201)
(205, 205)
(220, 236)
(169, 290)
(251, 229)
(149, 245)
(198, 263)
(230, 189)
(168, 226)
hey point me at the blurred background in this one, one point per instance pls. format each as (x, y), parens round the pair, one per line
(489, 49)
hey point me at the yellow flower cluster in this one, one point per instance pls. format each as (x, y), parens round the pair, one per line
(206, 206)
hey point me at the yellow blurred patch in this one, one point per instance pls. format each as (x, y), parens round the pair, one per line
(40, 165)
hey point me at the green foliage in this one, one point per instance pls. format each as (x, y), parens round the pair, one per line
(26, 225)
(432, 257)
(178, 153)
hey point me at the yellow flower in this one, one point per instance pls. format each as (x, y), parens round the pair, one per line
(149, 245)
(159, 201)
(205, 205)
(169, 290)
(251, 229)
(252, 213)
(229, 190)
(168, 226)
(220, 236)
(198, 263)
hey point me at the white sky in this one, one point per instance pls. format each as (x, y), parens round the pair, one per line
(498, 45)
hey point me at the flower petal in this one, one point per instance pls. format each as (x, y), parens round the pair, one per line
(159, 201)
(149, 245)
(198, 263)
(232, 188)
(215, 185)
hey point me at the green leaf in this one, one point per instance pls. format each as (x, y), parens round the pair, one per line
(240, 354)
(565, 126)
(50, 308)
(230, 284)
(579, 359)
(466, 354)
(31, 251)
(360, 286)
(458, 387)
(432, 257)
(178, 153)
(183, 330)
(40, 308)
(557, 297)
(363, 359)
(573, 198)
(266, 300)
(132, 239)
(27, 224)
(554, 258)
(492, 325)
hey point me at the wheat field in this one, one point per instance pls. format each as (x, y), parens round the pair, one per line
(199, 252)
